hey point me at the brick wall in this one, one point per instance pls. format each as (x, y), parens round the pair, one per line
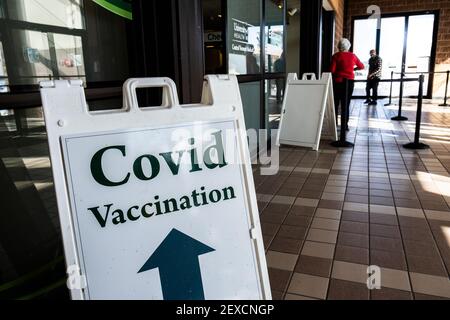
(359, 7)
(338, 6)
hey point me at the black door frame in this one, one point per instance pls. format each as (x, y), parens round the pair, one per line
(328, 37)
(263, 76)
(407, 15)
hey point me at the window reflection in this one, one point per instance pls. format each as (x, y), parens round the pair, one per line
(275, 61)
(244, 36)
(418, 53)
(365, 39)
(274, 101)
(33, 62)
(3, 73)
(41, 56)
(214, 26)
(274, 37)
(69, 55)
(46, 39)
(392, 35)
(61, 13)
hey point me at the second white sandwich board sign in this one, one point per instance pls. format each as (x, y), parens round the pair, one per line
(308, 113)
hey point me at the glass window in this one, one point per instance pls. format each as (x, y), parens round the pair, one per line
(391, 51)
(419, 44)
(32, 53)
(69, 56)
(418, 53)
(244, 36)
(365, 39)
(61, 13)
(39, 56)
(274, 37)
(274, 100)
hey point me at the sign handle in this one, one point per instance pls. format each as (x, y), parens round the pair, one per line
(170, 95)
(309, 76)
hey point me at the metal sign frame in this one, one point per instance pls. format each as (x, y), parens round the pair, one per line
(326, 127)
(67, 114)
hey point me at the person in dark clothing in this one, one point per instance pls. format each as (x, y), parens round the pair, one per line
(252, 64)
(280, 66)
(343, 69)
(373, 78)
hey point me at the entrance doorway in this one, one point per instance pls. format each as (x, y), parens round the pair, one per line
(405, 42)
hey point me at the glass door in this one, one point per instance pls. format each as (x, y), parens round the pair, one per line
(392, 39)
(247, 39)
(45, 55)
(364, 40)
(418, 51)
(404, 42)
(275, 63)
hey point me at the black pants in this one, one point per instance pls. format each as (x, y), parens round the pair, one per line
(343, 98)
(372, 84)
(280, 89)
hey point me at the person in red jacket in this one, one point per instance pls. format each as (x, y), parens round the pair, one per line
(343, 66)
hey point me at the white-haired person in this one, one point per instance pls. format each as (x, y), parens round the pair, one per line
(343, 66)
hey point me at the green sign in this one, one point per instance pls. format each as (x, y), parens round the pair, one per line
(122, 8)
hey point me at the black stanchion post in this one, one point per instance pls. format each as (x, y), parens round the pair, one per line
(342, 142)
(400, 101)
(416, 144)
(390, 90)
(446, 90)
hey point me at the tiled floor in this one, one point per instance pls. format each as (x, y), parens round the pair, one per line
(31, 254)
(328, 215)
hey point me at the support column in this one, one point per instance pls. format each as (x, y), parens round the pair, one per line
(328, 27)
(168, 42)
(311, 36)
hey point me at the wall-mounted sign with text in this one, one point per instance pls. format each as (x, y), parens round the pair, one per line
(240, 40)
(244, 47)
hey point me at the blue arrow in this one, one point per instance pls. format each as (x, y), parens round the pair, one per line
(179, 268)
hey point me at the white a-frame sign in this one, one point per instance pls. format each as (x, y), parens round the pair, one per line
(156, 202)
(308, 113)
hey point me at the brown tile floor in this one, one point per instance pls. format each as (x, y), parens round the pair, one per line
(328, 215)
